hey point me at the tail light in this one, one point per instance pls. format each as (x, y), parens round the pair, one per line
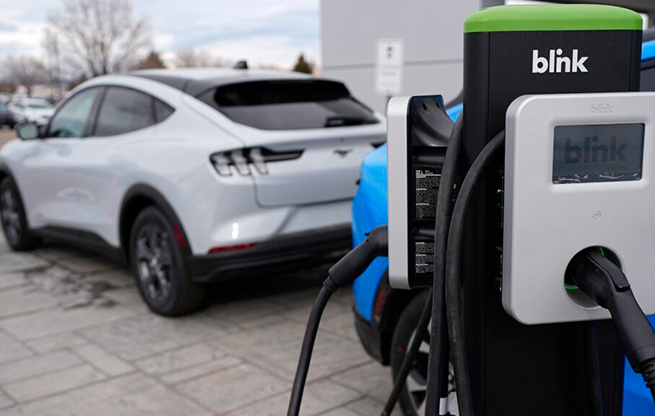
(241, 160)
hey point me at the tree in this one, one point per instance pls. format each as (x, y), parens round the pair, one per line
(152, 61)
(77, 81)
(190, 58)
(303, 66)
(7, 88)
(99, 37)
(24, 70)
(50, 44)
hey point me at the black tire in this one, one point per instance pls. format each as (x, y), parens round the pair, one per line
(13, 218)
(410, 403)
(159, 266)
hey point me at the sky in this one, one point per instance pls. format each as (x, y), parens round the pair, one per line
(264, 32)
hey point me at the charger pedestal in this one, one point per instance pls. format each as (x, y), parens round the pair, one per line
(510, 51)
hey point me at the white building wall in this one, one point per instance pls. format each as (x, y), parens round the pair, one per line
(432, 31)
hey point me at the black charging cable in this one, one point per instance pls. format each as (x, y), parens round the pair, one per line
(456, 236)
(343, 273)
(434, 304)
(592, 367)
(606, 284)
(439, 358)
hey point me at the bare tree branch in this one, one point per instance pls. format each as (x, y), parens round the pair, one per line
(190, 58)
(24, 70)
(99, 37)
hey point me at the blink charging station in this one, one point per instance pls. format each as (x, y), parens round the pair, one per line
(536, 212)
(578, 174)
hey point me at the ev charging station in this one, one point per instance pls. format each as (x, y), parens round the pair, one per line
(535, 248)
(600, 149)
(524, 227)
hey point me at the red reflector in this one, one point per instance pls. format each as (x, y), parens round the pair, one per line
(382, 294)
(231, 248)
(179, 235)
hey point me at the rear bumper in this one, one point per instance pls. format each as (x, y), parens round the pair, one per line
(284, 253)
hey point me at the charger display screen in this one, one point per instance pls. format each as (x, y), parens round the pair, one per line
(598, 153)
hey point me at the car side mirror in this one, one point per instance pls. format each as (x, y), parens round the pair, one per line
(27, 131)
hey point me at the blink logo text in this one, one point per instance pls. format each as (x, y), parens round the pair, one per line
(591, 152)
(555, 63)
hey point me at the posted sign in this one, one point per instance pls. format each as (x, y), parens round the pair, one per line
(389, 66)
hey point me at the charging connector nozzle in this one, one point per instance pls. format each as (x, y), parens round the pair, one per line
(346, 270)
(606, 284)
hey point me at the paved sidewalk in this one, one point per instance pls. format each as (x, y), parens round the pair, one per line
(6, 135)
(76, 339)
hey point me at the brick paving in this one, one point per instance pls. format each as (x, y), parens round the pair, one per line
(76, 339)
(6, 135)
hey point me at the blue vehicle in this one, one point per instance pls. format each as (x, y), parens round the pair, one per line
(385, 317)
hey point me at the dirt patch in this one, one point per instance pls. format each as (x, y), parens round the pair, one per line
(78, 293)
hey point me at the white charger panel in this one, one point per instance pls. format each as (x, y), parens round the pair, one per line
(579, 173)
(397, 192)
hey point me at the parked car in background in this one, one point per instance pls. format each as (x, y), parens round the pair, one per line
(31, 110)
(192, 176)
(6, 117)
(385, 316)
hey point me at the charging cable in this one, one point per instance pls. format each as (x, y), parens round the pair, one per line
(343, 273)
(456, 236)
(439, 357)
(606, 284)
(592, 367)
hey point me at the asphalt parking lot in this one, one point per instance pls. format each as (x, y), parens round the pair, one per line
(76, 337)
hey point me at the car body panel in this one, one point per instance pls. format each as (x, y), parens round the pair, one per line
(327, 169)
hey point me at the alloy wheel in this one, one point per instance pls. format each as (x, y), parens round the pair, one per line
(417, 378)
(10, 213)
(155, 262)
(416, 382)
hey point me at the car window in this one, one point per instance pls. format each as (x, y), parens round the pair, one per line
(648, 76)
(124, 110)
(289, 104)
(72, 117)
(162, 110)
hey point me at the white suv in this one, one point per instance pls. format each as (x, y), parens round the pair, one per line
(192, 176)
(31, 110)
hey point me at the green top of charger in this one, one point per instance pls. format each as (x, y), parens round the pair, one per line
(532, 18)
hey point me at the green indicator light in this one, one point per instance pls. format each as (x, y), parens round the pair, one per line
(571, 287)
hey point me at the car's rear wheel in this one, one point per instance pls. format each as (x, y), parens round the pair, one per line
(412, 398)
(14, 220)
(160, 268)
